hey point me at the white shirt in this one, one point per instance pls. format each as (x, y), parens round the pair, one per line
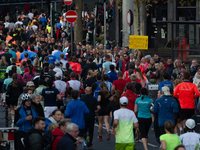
(75, 84)
(57, 69)
(30, 15)
(190, 139)
(34, 27)
(61, 86)
(6, 24)
(18, 22)
(64, 62)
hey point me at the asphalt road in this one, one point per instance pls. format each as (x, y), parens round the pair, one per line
(104, 144)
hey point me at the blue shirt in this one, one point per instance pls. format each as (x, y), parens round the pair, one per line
(22, 55)
(57, 55)
(106, 65)
(58, 25)
(166, 107)
(44, 21)
(52, 59)
(76, 109)
(165, 83)
(112, 75)
(13, 54)
(144, 106)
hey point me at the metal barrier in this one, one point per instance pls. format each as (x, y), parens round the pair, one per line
(6, 115)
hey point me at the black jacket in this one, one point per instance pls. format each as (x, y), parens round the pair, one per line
(38, 109)
(36, 141)
(170, 69)
(89, 66)
(67, 142)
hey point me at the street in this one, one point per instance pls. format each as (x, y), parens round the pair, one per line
(104, 144)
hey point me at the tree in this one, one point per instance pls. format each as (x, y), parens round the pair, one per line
(78, 30)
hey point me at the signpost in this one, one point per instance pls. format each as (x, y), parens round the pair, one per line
(71, 16)
(111, 3)
(138, 42)
(68, 2)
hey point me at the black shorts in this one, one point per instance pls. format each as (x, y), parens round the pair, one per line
(186, 113)
(81, 132)
(103, 112)
(144, 125)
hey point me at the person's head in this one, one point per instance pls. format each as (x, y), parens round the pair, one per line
(133, 77)
(166, 75)
(62, 124)
(177, 63)
(99, 77)
(52, 126)
(190, 125)
(125, 56)
(143, 60)
(147, 57)
(129, 86)
(39, 123)
(131, 56)
(62, 56)
(119, 74)
(169, 126)
(169, 61)
(49, 83)
(26, 100)
(112, 68)
(104, 89)
(72, 129)
(160, 93)
(144, 91)
(123, 101)
(105, 77)
(88, 90)
(30, 85)
(72, 75)
(57, 115)
(152, 61)
(57, 76)
(194, 62)
(166, 91)
(36, 98)
(13, 60)
(180, 147)
(46, 58)
(107, 57)
(186, 76)
(156, 56)
(153, 78)
(90, 59)
(51, 67)
(176, 82)
(74, 94)
(130, 72)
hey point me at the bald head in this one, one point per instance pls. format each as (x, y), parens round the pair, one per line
(88, 90)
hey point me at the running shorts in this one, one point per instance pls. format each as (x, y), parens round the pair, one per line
(124, 146)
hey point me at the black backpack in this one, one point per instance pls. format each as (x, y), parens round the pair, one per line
(21, 140)
(48, 146)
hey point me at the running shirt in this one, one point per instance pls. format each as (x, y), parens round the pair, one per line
(75, 85)
(57, 69)
(126, 119)
(119, 85)
(172, 140)
(165, 83)
(97, 90)
(61, 86)
(109, 85)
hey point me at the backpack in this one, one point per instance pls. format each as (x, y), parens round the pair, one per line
(48, 147)
(4, 145)
(21, 140)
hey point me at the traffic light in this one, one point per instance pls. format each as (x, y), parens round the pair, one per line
(110, 15)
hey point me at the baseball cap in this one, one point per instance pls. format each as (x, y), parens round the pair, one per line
(123, 100)
(30, 83)
(190, 123)
(57, 63)
(166, 90)
(58, 75)
(147, 57)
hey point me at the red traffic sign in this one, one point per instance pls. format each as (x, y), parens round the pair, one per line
(111, 3)
(71, 16)
(68, 2)
(129, 18)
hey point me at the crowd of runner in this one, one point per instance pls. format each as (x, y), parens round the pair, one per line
(55, 95)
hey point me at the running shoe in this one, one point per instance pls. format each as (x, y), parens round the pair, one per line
(84, 145)
(108, 136)
(136, 140)
(100, 138)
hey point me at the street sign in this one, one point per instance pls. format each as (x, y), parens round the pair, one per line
(71, 16)
(111, 3)
(129, 18)
(68, 2)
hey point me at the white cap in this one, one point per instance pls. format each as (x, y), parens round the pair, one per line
(166, 90)
(147, 57)
(58, 75)
(123, 100)
(190, 123)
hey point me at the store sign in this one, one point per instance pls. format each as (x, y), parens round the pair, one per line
(138, 42)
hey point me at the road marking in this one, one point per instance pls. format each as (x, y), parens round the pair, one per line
(152, 145)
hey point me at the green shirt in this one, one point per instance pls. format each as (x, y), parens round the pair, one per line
(19, 71)
(172, 140)
(7, 82)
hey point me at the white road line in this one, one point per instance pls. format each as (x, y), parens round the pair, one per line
(152, 145)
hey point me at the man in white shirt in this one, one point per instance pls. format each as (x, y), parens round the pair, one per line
(124, 120)
(62, 59)
(60, 85)
(57, 68)
(18, 22)
(34, 26)
(75, 84)
(30, 15)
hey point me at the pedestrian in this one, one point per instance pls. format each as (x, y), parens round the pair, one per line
(169, 140)
(186, 92)
(166, 81)
(76, 110)
(124, 122)
(35, 134)
(37, 107)
(103, 114)
(190, 138)
(142, 106)
(68, 141)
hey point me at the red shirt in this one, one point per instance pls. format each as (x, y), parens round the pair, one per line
(119, 85)
(26, 70)
(131, 99)
(129, 80)
(186, 92)
(124, 65)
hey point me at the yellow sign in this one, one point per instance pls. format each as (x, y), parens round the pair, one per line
(138, 42)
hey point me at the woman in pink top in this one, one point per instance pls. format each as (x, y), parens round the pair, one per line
(30, 74)
(19, 77)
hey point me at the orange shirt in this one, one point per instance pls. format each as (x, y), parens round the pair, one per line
(18, 55)
(186, 92)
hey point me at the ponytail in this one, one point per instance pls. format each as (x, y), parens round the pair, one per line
(14, 77)
(30, 68)
(104, 89)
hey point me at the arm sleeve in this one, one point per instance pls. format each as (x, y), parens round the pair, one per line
(155, 108)
(116, 116)
(175, 107)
